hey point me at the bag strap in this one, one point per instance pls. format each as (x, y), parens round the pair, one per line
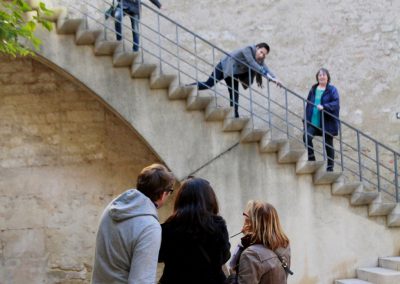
(284, 263)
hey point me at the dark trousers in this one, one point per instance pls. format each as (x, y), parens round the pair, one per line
(216, 76)
(134, 25)
(330, 151)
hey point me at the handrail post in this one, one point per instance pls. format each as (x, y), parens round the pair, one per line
(251, 100)
(396, 177)
(215, 79)
(269, 106)
(305, 126)
(378, 166)
(195, 61)
(323, 136)
(159, 41)
(286, 115)
(341, 147)
(177, 54)
(359, 155)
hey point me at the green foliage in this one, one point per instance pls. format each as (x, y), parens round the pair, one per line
(14, 26)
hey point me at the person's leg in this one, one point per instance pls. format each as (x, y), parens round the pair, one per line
(228, 81)
(216, 76)
(118, 22)
(236, 96)
(308, 143)
(135, 31)
(233, 93)
(330, 152)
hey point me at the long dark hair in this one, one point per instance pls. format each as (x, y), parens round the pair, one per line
(195, 207)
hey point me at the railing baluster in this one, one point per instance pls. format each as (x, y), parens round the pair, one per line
(177, 54)
(323, 136)
(196, 69)
(305, 123)
(396, 176)
(286, 115)
(359, 155)
(159, 41)
(269, 106)
(251, 101)
(341, 147)
(378, 175)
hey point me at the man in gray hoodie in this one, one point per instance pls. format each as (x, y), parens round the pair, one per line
(129, 235)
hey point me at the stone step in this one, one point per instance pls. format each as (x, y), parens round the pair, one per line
(270, 145)
(161, 80)
(251, 133)
(352, 281)
(142, 70)
(85, 36)
(392, 263)
(290, 152)
(105, 47)
(68, 26)
(321, 176)
(198, 100)
(232, 123)
(303, 166)
(344, 188)
(177, 92)
(380, 207)
(379, 275)
(363, 195)
(215, 112)
(123, 56)
(393, 219)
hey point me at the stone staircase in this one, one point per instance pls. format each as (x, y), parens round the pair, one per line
(288, 151)
(387, 272)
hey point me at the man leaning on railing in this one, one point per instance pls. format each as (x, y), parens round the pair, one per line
(241, 65)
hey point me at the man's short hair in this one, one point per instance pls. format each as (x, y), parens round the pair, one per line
(154, 180)
(263, 45)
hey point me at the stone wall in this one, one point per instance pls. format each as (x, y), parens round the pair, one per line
(63, 156)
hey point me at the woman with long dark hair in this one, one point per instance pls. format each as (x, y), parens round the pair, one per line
(264, 255)
(195, 242)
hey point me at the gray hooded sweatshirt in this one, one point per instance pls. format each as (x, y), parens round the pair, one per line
(128, 241)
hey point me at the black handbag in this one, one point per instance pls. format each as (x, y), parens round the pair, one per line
(110, 12)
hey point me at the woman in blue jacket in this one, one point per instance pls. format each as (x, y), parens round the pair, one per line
(322, 102)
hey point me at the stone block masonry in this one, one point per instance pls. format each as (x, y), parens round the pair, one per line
(63, 157)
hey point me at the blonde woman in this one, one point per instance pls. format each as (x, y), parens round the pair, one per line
(264, 256)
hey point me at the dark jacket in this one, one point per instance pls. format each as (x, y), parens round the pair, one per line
(232, 65)
(132, 7)
(260, 265)
(330, 102)
(183, 257)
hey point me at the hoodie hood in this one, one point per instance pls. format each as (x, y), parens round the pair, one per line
(132, 203)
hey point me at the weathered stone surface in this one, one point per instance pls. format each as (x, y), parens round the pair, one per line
(63, 157)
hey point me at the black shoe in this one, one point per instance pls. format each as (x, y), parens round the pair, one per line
(236, 115)
(329, 169)
(311, 159)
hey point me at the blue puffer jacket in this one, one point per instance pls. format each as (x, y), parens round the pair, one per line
(132, 7)
(330, 102)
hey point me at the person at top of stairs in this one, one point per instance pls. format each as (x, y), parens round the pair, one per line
(131, 8)
(322, 96)
(241, 65)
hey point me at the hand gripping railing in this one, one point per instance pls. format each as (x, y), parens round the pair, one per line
(176, 49)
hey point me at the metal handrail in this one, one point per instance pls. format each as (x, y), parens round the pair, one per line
(363, 171)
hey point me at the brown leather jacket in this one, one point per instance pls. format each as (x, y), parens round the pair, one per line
(259, 265)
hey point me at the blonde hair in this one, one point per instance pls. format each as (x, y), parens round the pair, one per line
(264, 225)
